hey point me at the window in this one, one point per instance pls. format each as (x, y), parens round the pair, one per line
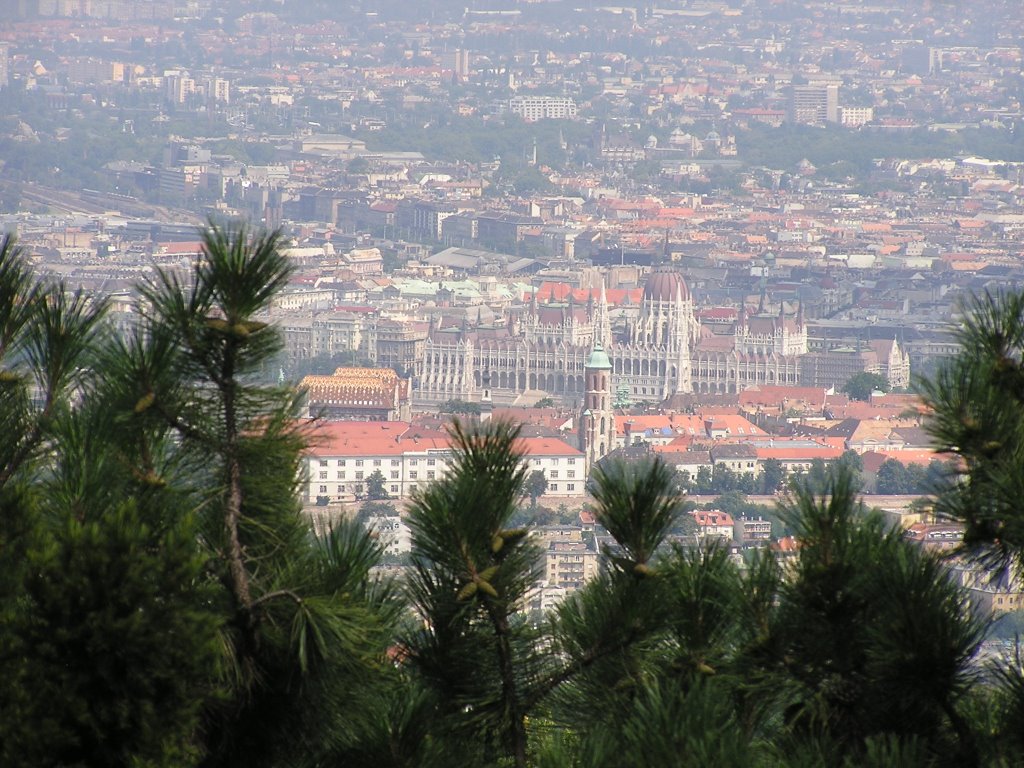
(323, 462)
(341, 462)
(341, 475)
(412, 487)
(570, 487)
(554, 462)
(413, 475)
(376, 462)
(359, 462)
(571, 461)
(554, 474)
(323, 475)
(323, 489)
(430, 475)
(413, 462)
(536, 462)
(394, 489)
(431, 462)
(571, 473)
(359, 475)
(395, 462)
(554, 486)
(394, 474)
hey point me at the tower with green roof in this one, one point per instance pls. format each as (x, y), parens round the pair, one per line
(597, 421)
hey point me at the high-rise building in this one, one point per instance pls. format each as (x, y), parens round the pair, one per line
(458, 63)
(219, 90)
(814, 104)
(178, 87)
(4, 65)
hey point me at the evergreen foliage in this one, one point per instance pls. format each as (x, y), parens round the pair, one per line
(163, 601)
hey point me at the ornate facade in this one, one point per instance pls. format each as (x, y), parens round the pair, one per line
(358, 394)
(656, 348)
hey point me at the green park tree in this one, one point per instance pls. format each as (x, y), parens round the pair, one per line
(459, 408)
(535, 485)
(376, 486)
(861, 385)
(773, 475)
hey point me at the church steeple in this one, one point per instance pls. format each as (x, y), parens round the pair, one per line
(597, 421)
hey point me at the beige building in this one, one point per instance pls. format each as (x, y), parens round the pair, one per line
(358, 394)
(569, 564)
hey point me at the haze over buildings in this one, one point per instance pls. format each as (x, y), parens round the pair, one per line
(739, 206)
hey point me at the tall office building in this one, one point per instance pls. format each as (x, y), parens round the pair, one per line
(458, 63)
(812, 104)
(5, 58)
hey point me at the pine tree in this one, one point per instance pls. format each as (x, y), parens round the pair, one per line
(164, 600)
(977, 400)
(105, 646)
(870, 637)
(301, 619)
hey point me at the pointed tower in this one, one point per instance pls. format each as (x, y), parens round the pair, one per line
(682, 317)
(597, 421)
(602, 330)
(486, 406)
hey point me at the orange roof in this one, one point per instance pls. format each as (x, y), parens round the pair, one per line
(784, 453)
(546, 446)
(875, 226)
(372, 438)
(786, 544)
(737, 426)
(711, 517)
(765, 394)
(186, 249)
(912, 456)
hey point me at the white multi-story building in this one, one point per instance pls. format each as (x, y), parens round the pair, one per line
(345, 454)
(532, 108)
(856, 116)
(391, 533)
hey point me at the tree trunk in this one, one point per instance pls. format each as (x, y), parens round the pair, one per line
(510, 696)
(233, 503)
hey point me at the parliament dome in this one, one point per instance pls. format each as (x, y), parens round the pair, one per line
(662, 284)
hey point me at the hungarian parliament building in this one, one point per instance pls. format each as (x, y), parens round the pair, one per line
(658, 349)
